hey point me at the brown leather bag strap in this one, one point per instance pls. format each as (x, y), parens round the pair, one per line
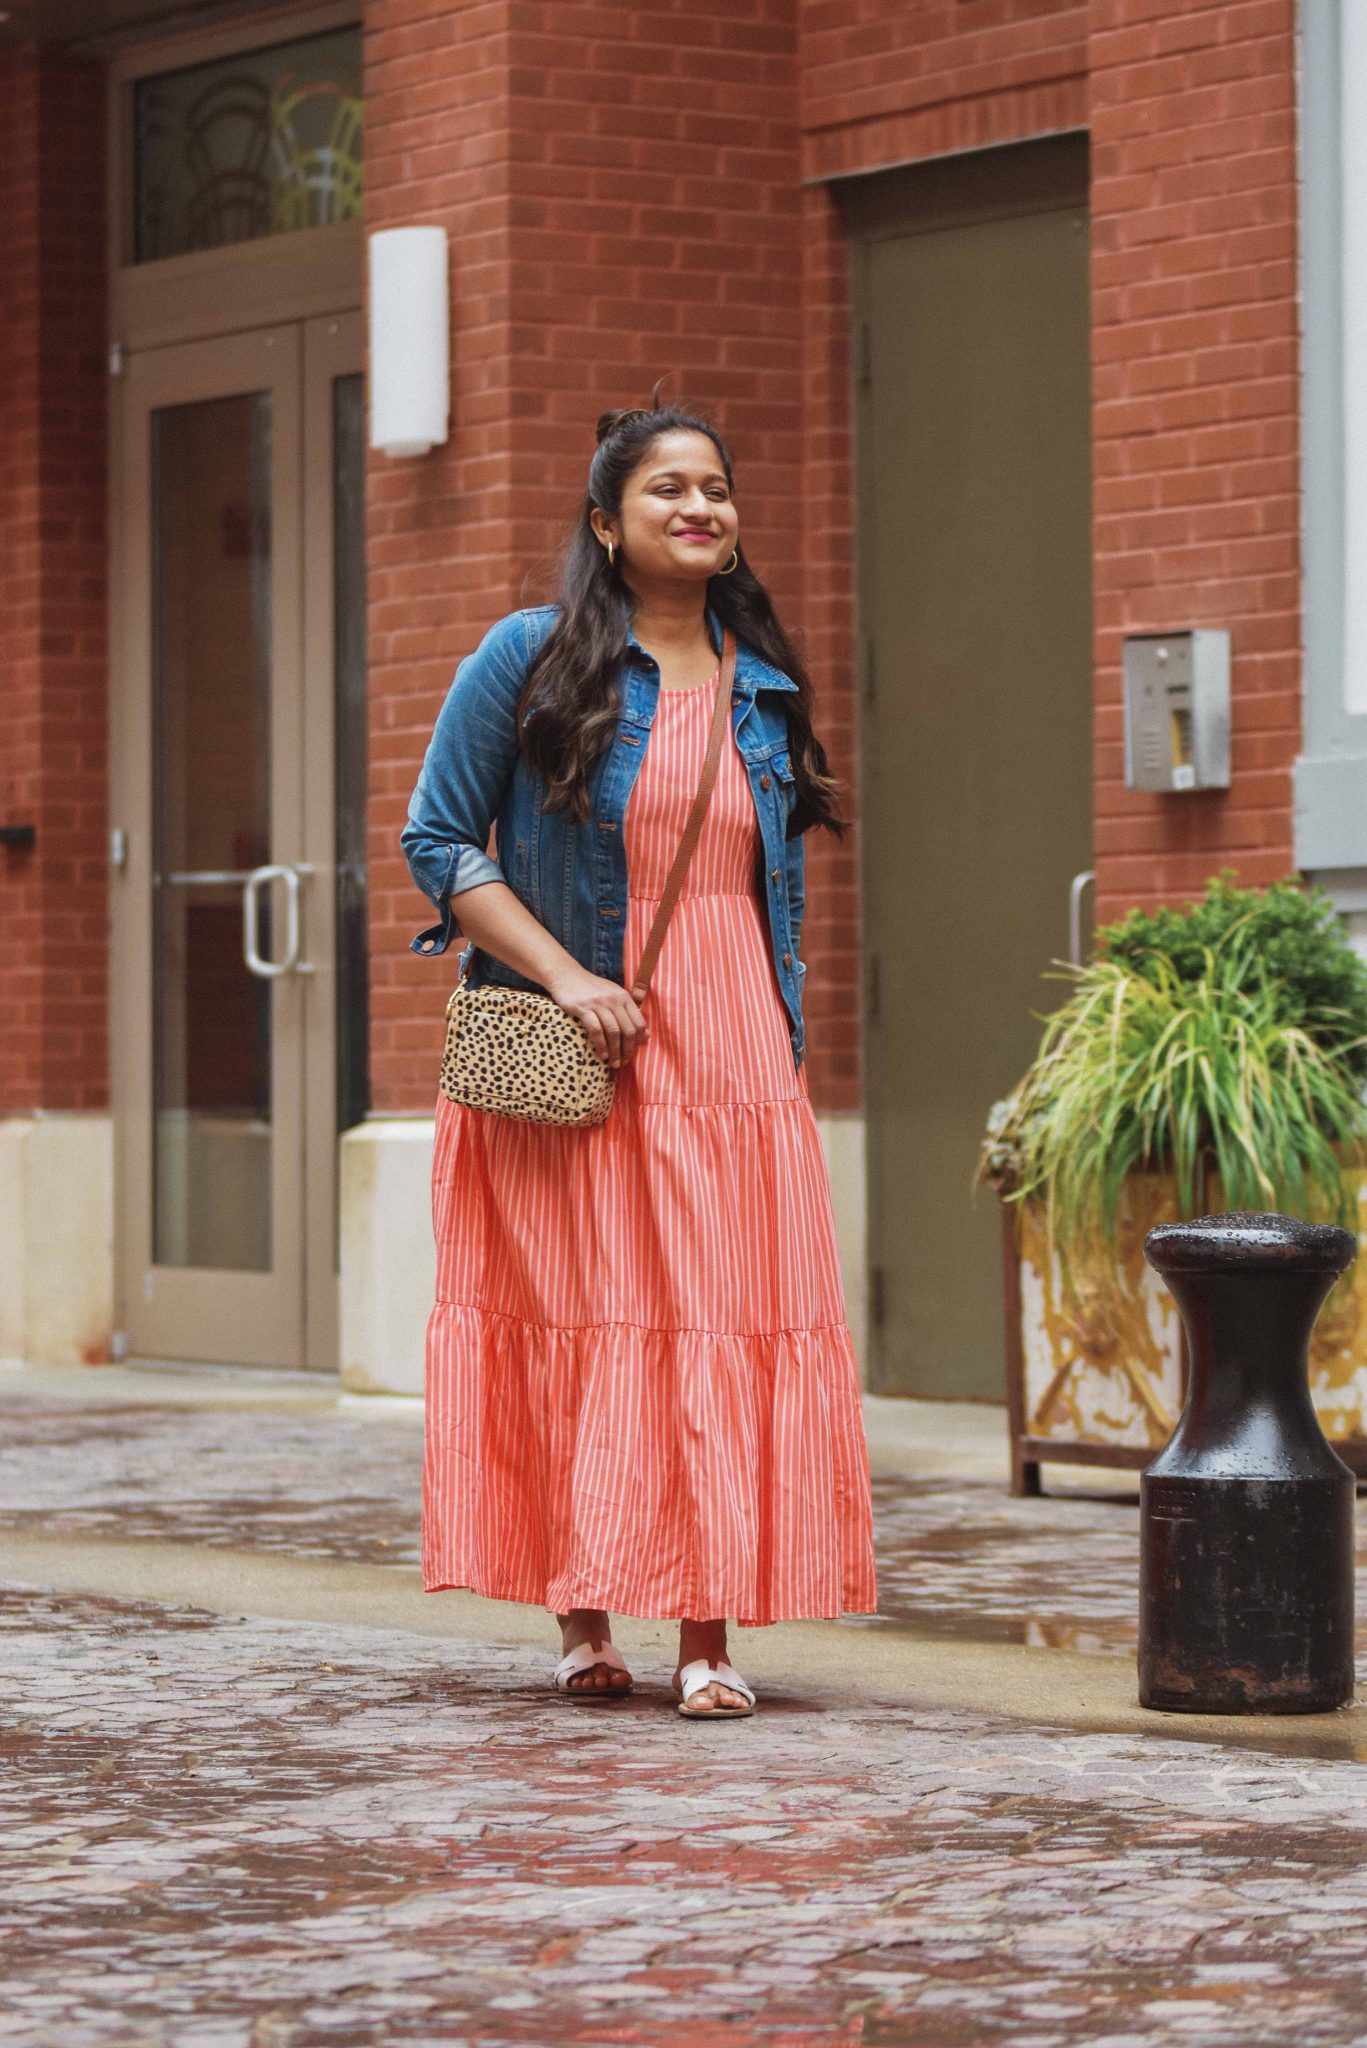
(721, 717)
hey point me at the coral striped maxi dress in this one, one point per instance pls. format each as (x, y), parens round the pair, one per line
(642, 1391)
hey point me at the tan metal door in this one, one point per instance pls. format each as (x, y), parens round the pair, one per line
(976, 723)
(225, 892)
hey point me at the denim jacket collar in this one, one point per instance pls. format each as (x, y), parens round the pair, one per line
(751, 672)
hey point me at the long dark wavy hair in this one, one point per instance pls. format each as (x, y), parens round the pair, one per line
(572, 682)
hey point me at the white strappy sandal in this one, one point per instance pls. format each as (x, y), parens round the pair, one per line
(697, 1676)
(583, 1658)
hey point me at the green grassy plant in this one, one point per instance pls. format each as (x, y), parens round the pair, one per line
(1318, 980)
(1188, 1039)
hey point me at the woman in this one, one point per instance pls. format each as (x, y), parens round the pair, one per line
(642, 1388)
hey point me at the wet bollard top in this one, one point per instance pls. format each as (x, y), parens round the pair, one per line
(1246, 1514)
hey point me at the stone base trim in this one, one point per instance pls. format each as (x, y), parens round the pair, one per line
(57, 1245)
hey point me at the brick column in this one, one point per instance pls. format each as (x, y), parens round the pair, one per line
(52, 583)
(832, 941)
(1196, 414)
(440, 541)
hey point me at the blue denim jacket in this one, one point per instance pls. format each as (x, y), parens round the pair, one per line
(573, 876)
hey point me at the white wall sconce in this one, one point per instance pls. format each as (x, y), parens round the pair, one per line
(410, 347)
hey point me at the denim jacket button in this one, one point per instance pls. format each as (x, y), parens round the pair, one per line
(787, 959)
(775, 875)
(764, 782)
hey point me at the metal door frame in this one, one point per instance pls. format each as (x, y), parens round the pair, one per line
(333, 347)
(287, 1317)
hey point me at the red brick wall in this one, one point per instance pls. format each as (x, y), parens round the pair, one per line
(620, 183)
(831, 931)
(890, 81)
(1196, 414)
(440, 541)
(1196, 506)
(633, 190)
(20, 581)
(883, 82)
(52, 583)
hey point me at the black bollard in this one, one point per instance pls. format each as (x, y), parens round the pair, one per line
(1246, 1514)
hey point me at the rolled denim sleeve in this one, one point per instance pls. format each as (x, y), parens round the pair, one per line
(465, 773)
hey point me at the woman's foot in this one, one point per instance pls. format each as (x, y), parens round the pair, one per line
(707, 1640)
(590, 1625)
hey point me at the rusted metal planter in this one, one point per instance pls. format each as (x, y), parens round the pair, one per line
(1246, 1514)
(1087, 1385)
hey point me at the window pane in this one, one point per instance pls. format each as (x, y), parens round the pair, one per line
(256, 144)
(211, 609)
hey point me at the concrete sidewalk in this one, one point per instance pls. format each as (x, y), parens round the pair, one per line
(266, 1793)
(274, 1494)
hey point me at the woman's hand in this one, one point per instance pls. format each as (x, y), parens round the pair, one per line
(611, 1016)
(500, 924)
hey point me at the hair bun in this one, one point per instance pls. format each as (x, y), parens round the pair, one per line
(609, 422)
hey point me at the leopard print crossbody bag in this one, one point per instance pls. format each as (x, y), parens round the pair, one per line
(516, 1052)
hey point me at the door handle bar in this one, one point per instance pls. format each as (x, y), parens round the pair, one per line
(203, 878)
(259, 879)
(1075, 893)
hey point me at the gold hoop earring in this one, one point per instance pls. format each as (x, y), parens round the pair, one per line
(612, 553)
(732, 565)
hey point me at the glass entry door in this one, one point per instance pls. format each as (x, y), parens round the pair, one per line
(240, 578)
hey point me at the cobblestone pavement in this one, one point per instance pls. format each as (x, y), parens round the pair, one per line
(222, 1833)
(229, 1832)
(956, 1557)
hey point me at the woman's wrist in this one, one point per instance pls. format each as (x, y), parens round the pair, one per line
(560, 975)
(503, 926)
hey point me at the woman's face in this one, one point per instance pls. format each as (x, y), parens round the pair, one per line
(678, 522)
